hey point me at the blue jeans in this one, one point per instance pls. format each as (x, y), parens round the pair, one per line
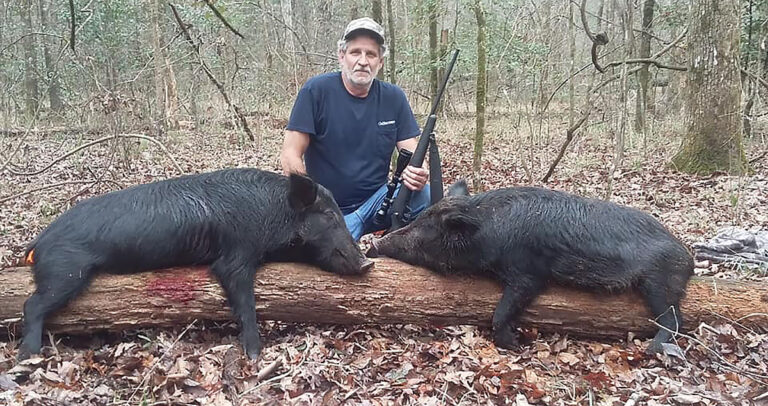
(360, 221)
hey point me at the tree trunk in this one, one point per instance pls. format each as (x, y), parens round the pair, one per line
(480, 94)
(392, 293)
(441, 52)
(54, 92)
(157, 44)
(571, 66)
(621, 135)
(30, 62)
(377, 16)
(713, 141)
(432, 7)
(391, 28)
(290, 43)
(171, 96)
(642, 103)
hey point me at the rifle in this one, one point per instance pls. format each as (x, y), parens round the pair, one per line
(403, 157)
(427, 139)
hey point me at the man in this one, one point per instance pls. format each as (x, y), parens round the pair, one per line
(344, 127)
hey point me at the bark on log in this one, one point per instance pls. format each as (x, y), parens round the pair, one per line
(392, 293)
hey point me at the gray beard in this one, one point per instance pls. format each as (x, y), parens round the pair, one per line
(350, 77)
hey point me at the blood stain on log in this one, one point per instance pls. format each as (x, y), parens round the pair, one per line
(174, 288)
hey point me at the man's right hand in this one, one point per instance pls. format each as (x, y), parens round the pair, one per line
(415, 178)
(295, 144)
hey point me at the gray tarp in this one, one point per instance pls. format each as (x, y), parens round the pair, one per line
(737, 246)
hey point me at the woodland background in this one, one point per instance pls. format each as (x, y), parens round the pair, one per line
(99, 95)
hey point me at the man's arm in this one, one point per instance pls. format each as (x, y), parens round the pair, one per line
(414, 178)
(292, 155)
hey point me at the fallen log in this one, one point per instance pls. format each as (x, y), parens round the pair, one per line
(393, 292)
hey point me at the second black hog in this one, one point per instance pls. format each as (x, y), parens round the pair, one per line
(528, 237)
(233, 219)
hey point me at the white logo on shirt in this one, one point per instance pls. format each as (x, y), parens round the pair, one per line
(383, 123)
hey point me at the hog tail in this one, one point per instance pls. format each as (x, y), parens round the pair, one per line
(30, 256)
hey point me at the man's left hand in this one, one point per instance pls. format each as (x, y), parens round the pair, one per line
(415, 178)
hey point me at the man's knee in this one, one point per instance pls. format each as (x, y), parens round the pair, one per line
(420, 200)
(355, 225)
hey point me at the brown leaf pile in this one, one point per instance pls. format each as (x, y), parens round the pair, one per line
(388, 365)
(391, 365)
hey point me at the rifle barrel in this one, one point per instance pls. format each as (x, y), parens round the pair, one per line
(404, 196)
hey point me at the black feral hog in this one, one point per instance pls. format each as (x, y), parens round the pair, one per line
(528, 237)
(233, 220)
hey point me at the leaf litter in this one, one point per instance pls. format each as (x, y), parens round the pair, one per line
(723, 364)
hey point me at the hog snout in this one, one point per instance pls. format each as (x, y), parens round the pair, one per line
(350, 262)
(360, 267)
(367, 266)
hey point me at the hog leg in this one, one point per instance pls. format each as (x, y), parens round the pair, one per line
(237, 279)
(55, 288)
(665, 307)
(515, 298)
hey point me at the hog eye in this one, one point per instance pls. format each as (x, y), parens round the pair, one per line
(330, 214)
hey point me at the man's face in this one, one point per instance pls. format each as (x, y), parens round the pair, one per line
(362, 60)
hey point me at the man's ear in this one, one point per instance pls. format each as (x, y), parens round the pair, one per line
(458, 189)
(459, 222)
(302, 192)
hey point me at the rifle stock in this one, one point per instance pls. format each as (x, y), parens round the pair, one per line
(404, 196)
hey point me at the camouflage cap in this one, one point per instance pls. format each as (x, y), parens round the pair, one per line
(367, 24)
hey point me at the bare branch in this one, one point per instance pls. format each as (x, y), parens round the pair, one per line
(599, 39)
(223, 20)
(100, 140)
(16, 41)
(569, 135)
(647, 61)
(759, 157)
(754, 77)
(671, 44)
(72, 24)
(26, 192)
(209, 73)
(286, 26)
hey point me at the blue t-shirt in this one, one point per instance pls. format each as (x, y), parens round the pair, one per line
(351, 138)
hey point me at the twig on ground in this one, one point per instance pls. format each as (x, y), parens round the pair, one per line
(100, 140)
(762, 379)
(291, 372)
(632, 401)
(26, 192)
(759, 157)
(53, 343)
(157, 361)
(269, 369)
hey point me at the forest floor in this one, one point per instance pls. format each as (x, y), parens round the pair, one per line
(393, 364)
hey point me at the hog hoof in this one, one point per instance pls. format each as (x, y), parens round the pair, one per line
(23, 354)
(251, 346)
(506, 338)
(253, 352)
(654, 348)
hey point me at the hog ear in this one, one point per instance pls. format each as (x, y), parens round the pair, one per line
(302, 193)
(458, 189)
(461, 223)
